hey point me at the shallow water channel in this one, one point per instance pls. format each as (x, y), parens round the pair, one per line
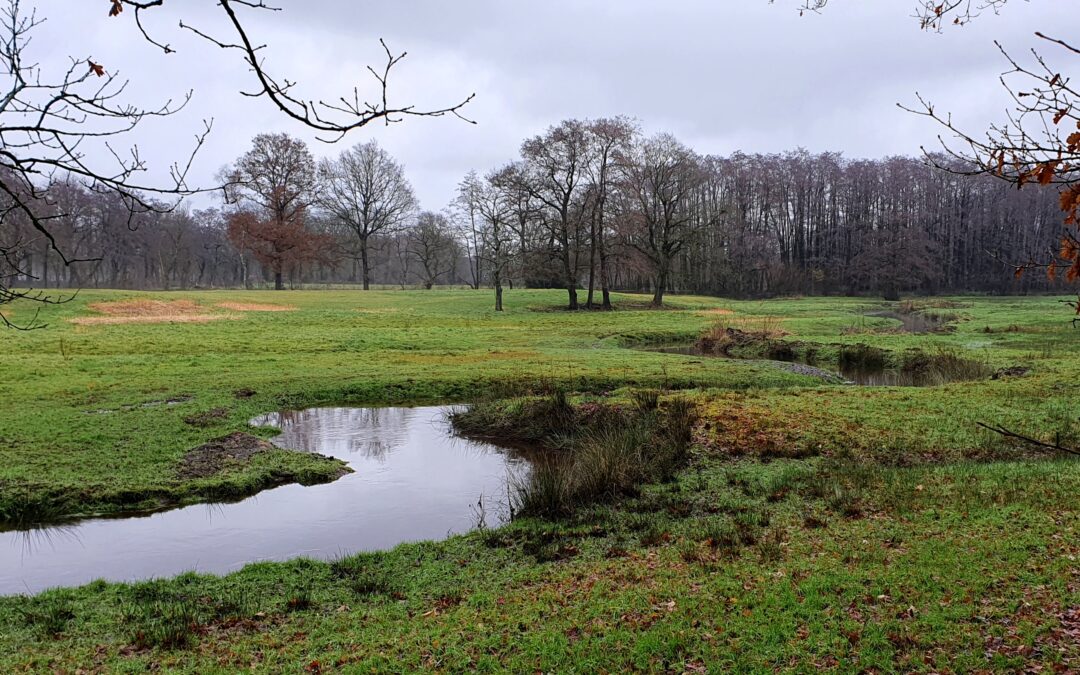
(413, 480)
(861, 376)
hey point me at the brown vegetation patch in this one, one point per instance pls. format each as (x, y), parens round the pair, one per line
(146, 307)
(720, 311)
(118, 320)
(214, 457)
(255, 307)
(728, 334)
(208, 418)
(146, 312)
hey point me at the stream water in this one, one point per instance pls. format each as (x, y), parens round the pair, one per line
(858, 375)
(413, 480)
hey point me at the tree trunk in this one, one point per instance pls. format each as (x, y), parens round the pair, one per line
(365, 265)
(279, 280)
(605, 288)
(498, 296)
(571, 281)
(592, 265)
(661, 288)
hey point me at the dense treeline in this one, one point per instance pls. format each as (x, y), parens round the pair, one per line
(588, 206)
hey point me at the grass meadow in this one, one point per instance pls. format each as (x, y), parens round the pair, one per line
(804, 524)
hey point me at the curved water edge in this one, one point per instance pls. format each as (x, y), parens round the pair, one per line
(412, 480)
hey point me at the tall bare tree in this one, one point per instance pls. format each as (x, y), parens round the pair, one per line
(556, 174)
(496, 204)
(465, 210)
(431, 243)
(611, 140)
(366, 190)
(659, 181)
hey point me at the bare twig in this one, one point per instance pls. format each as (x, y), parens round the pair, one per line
(1030, 441)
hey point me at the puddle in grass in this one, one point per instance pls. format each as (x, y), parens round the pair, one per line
(917, 323)
(413, 480)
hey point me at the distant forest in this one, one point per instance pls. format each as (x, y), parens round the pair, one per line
(588, 207)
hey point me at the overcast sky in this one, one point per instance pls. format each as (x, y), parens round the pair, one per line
(721, 75)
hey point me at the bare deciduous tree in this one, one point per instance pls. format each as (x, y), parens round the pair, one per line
(658, 183)
(465, 210)
(365, 189)
(496, 204)
(611, 140)
(556, 175)
(431, 243)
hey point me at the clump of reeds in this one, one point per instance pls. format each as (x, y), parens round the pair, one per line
(611, 457)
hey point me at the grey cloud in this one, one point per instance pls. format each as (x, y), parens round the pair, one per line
(722, 76)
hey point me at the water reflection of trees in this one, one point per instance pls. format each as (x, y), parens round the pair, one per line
(457, 471)
(373, 433)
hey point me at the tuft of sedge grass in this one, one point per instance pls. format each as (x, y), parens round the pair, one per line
(610, 458)
(49, 614)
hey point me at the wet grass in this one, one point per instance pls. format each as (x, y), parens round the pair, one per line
(84, 431)
(946, 558)
(808, 526)
(85, 428)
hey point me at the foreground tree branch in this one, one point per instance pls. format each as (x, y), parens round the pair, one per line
(932, 14)
(1056, 445)
(57, 127)
(332, 118)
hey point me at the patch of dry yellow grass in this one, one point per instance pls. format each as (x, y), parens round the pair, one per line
(769, 327)
(255, 307)
(146, 307)
(146, 312)
(164, 318)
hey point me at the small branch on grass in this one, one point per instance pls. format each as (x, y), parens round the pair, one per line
(1030, 441)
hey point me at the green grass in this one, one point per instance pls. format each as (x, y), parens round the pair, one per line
(813, 526)
(61, 455)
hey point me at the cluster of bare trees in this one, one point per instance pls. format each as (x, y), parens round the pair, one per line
(595, 205)
(63, 135)
(299, 219)
(589, 206)
(158, 249)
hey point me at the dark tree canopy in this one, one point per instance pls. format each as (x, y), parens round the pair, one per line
(1039, 140)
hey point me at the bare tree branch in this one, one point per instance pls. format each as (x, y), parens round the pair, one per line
(1056, 445)
(333, 119)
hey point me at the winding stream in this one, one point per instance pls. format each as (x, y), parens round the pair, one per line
(413, 481)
